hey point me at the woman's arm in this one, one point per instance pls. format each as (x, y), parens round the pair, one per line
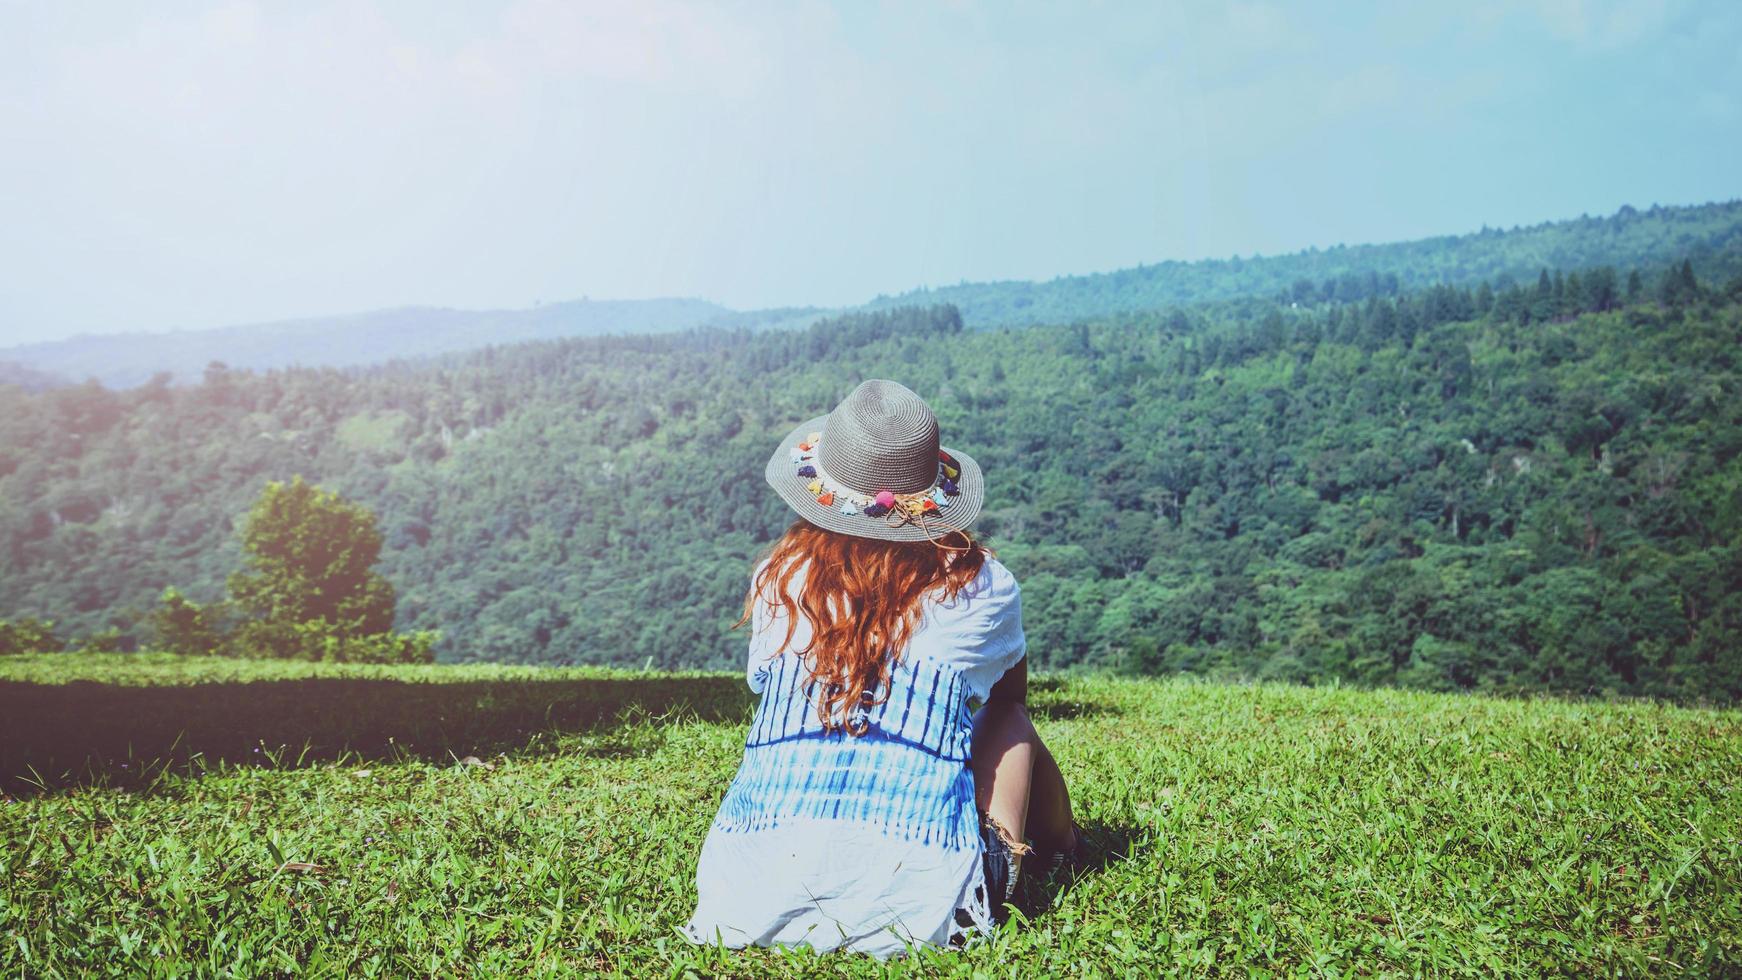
(1012, 687)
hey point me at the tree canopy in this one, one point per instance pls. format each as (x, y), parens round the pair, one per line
(1522, 484)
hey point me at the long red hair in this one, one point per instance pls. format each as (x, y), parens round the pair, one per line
(862, 598)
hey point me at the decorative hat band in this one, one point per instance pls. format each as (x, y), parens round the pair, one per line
(908, 506)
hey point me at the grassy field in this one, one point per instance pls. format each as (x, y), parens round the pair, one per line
(167, 816)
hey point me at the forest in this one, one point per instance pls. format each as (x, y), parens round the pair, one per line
(1650, 237)
(1631, 237)
(1507, 485)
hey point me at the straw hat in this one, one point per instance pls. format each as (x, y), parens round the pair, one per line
(873, 468)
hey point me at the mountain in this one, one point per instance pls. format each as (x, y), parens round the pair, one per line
(125, 360)
(1705, 234)
(29, 378)
(1517, 488)
(1709, 235)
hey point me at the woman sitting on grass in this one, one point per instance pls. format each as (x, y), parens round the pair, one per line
(875, 807)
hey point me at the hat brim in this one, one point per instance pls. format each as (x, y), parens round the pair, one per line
(964, 508)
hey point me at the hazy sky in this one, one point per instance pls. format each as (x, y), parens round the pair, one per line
(172, 165)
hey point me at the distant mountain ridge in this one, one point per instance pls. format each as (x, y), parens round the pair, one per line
(1709, 235)
(124, 360)
(28, 378)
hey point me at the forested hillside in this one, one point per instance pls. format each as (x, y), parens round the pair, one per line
(1710, 235)
(1519, 487)
(28, 378)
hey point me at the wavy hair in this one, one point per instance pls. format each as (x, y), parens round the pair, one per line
(862, 598)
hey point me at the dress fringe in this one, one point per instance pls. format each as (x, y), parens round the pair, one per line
(979, 912)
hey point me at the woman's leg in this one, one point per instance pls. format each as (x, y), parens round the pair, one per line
(1017, 781)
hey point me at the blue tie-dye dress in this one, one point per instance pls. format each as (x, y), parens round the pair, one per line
(866, 842)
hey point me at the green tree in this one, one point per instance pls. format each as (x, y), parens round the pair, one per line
(1544, 304)
(1602, 291)
(28, 635)
(1679, 286)
(182, 626)
(310, 554)
(107, 640)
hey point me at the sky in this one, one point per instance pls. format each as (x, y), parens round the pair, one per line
(174, 165)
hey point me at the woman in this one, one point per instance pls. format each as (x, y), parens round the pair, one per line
(875, 807)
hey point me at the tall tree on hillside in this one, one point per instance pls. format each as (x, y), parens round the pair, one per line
(310, 554)
(1602, 290)
(182, 626)
(1543, 305)
(1679, 286)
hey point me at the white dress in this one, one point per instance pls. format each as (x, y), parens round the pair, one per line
(864, 843)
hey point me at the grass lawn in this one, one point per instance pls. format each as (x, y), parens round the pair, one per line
(487, 821)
